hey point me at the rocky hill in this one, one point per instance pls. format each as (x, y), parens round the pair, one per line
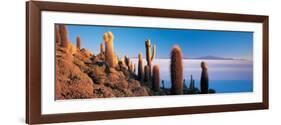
(82, 74)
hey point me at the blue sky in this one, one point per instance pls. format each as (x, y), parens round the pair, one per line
(194, 43)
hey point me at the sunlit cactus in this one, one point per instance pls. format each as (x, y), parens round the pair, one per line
(150, 55)
(110, 56)
(64, 36)
(204, 83)
(102, 48)
(156, 78)
(57, 33)
(140, 68)
(176, 69)
(78, 43)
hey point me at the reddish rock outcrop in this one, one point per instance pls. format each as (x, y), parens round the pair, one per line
(82, 74)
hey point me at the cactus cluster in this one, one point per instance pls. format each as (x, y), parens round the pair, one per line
(110, 56)
(192, 83)
(64, 39)
(176, 69)
(129, 64)
(204, 82)
(146, 73)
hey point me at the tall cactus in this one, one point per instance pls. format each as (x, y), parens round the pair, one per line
(65, 42)
(150, 56)
(78, 43)
(146, 73)
(110, 56)
(204, 82)
(176, 69)
(102, 48)
(57, 33)
(192, 82)
(140, 68)
(156, 78)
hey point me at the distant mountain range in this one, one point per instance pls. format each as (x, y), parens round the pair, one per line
(213, 58)
(205, 57)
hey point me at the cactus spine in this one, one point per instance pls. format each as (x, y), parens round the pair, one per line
(140, 68)
(102, 48)
(176, 69)
(78, 43)
(204, 82)
(110, 56)
(156, 78)
(64, 36)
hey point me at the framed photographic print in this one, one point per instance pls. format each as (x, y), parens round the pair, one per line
(93, 62)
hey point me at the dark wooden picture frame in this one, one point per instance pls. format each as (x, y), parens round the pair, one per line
(33, 61)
